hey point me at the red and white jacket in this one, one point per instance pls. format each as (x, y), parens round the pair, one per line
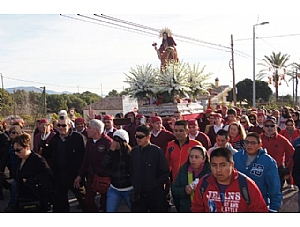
(232, 202)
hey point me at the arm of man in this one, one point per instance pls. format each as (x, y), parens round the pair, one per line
(274, 186)
(296, 166)
(257, 204)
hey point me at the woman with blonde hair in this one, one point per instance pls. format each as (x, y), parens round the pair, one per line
(237, 135)
(245, 122)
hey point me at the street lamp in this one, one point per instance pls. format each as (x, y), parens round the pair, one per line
(254, 93)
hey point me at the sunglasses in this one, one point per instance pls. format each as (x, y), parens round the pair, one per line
(13, 132)
(243, 122)
(268, 126)
(140, 136)
(61, 125)
(289, 125)
(251, 119)
(18, 150)
(250, 142)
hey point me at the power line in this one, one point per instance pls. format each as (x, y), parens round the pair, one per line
(185, 39)
(268, 37)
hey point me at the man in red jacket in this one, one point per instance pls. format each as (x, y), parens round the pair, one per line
(223, 193)
(278, 147)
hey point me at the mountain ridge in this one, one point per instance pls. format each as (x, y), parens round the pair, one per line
(35, 89)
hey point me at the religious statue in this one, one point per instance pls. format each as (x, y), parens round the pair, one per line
(167, 50)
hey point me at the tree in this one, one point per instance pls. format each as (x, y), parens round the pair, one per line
(55, 103)
(113, 93)
(275, 68)
(245, 91)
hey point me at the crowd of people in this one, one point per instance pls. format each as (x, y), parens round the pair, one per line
(224, 160)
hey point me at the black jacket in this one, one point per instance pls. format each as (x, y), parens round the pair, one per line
(296, 166)
(39, 180)
(149, 169)
(119, 167)
(74, 154)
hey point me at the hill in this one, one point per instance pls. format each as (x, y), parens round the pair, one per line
(35, 89)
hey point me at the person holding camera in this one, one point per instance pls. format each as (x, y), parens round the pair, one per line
(188, 177)
(117, 160)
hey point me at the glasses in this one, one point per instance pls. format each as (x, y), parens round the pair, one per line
(13, 132)
(61, 125)
(251, 119)
(140, 136)
(243, 122)
(18, 150)
(247, 142)
(269, 126)
(293, 115)
(289, 125)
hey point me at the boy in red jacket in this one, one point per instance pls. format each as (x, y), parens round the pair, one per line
(223, 193)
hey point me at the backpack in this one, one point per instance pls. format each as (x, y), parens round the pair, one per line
(242, 178)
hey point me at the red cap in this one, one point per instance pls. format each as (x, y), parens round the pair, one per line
(99, 117)
(218, 115)
(139, 116)
(156, 119)
(107, 118)
(79, 120)
(44, 121)
(192, 122)
(208, 110)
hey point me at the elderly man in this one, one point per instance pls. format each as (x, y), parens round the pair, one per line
(67, 152)
(97, 147)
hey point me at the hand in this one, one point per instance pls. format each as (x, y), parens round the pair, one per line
(188, 189)
(114, 145)
(77, 182)
(24, 180)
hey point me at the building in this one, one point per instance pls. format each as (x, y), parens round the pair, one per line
(111, 106)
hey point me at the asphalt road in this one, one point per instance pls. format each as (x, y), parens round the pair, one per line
(290, 204)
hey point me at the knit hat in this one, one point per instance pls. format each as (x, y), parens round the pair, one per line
(122, 134)
(156, 119)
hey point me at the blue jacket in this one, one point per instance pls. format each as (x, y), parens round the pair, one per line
(263, 170)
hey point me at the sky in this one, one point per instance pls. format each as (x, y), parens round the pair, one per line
(50, 45)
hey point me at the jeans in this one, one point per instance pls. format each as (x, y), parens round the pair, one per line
(13, 193)
(114, 198)
(299, 200)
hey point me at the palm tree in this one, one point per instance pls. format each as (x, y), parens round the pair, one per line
(275, 69)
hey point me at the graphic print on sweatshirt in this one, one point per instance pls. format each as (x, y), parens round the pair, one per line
(230, 201)
(257, 170)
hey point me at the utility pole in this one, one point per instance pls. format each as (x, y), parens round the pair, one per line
(296, 95)
(44, 101)
(14, 103)
(233, 76)
(2, 95)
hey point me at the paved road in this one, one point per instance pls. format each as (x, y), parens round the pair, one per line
(290, 204)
